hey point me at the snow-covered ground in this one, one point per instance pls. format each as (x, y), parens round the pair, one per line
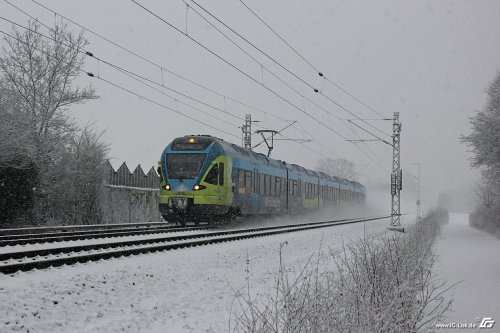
(473, 256)
(192, 290)
(187, 290)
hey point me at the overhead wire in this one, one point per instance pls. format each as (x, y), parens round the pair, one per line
(138, 78)
(129, 90)
(159, 66)
(130, 73)
(282, 39)
(353, 130)
(236, 68)
(275, 61)
(250, 43)
(309, 62)
(270, 72)
(162, 68)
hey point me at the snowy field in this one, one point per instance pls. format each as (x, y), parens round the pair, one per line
(192, 290)
(472, 256)
(187, 290)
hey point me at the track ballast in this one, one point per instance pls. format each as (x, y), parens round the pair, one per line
(54, 257)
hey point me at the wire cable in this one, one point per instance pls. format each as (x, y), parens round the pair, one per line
(267, 69)
(143, 78)
(308, 62)
(237, 68)
(249, 42)
(282, 39)
(130, 73)
(137, 55)
(127, 90)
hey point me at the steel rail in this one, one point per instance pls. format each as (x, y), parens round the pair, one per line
(79, 235)
(224, 236)
(23, 231)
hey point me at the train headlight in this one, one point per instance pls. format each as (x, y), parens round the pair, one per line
(198, 187)
(167, 187)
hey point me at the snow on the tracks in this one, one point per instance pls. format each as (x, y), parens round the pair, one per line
(95, 241)
(187, 290)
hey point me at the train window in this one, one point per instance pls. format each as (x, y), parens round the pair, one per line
(277, 186)
(213, 175)
(283, 186)
(221, 173)
(267, 185)
(244, 182)
(272, 185)
(184, 166)
(241, 181)
(261, 184)
(248, 182)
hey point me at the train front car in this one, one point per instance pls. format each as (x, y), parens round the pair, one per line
(195, 182)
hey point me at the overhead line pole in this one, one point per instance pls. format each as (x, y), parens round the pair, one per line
(396, 176)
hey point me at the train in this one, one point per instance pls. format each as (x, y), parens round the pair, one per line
(204, 178)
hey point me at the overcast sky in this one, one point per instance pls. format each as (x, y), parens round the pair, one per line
(429, 60)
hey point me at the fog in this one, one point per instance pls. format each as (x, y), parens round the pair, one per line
(428, 60)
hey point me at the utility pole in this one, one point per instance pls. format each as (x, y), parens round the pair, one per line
(396, 175)
(246, 130)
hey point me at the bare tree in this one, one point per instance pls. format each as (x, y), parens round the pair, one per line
(338, 167)
(88, 155)
(485, 142)
(485, 136)
(37, 75)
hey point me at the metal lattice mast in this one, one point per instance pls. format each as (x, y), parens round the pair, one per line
(247, 132)
(396, 176)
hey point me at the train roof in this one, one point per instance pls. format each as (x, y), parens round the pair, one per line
(235, 150)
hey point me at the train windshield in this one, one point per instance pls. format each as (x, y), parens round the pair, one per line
(184, 166)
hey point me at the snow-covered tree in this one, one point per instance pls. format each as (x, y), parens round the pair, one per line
(485, 142)
(338, 167)
(37, 82)
(485, 136)
(87, 157)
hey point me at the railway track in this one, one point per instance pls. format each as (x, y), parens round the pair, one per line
(60, 236)
(11, 262)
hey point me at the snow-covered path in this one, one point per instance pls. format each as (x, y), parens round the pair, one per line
(473, 256)
(187, 290)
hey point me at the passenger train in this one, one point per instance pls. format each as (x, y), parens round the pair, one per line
(205, 178)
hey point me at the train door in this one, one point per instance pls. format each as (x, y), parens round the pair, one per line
(216, 177)
(222, 188)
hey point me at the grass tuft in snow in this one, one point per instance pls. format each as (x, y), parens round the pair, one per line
(380, 283)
